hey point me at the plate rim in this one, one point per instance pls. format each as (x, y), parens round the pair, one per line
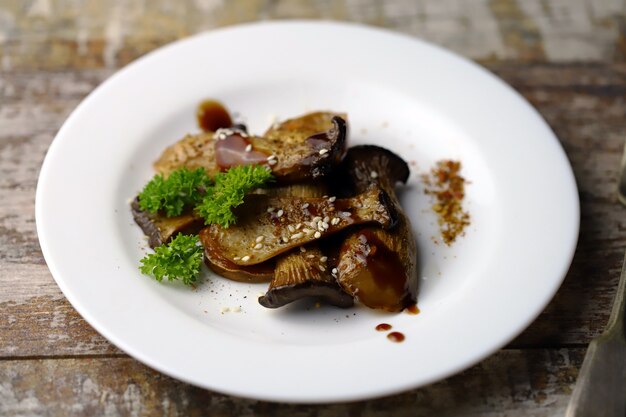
(94, 322)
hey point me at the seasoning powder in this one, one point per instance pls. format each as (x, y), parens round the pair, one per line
(447, 188)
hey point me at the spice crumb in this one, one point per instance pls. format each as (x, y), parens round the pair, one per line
(447, 187)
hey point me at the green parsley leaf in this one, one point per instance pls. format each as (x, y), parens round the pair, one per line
(171, 195)
(229, 191)
(179, 259)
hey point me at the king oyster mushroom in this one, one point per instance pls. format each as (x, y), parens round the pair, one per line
(264, 271)
(160, 229)
(303, 272)
(295, 150)
(300, 148)
(378, 266)
(268, 226)
(213, 258)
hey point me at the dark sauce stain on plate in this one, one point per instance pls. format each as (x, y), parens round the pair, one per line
(212, 115)
(396, 337)
(383, 327)
(412, 309)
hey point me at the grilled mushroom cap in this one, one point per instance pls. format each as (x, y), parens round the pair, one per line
(304, 274)
(268, 226)
(379, 266)
(160, 229)
(297, 149)
(262, 272)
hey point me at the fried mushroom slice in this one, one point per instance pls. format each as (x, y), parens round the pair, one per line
(160, 229)
(262, 272)
(378, 266)
(268, 226)
(304, 274)
(298, 149)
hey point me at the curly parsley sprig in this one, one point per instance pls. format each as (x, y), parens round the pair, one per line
(181, 189)
(229, 191)
(178, 260)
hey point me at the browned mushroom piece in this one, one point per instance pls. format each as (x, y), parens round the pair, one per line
(262, 272)
(301, 275)
(160, 229)
(268, 226)
(303, 272)
(378, 266)
(298, 149)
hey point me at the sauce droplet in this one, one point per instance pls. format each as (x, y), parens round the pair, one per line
(396, 337)
(383, 327)
(212, 115)
(412, 309)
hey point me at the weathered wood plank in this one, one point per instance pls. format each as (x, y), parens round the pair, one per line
(55, 34)
(584, 104)
(510, 383)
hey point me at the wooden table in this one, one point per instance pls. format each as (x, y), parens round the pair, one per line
(567, 58)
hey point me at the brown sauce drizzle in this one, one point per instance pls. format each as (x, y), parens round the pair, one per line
(231, 151)
(383, 327)
(382, 280)
(412, 309)
(212, 115)
(396, 337)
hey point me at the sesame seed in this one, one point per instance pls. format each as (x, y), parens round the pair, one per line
(325, 226)
(285, 239)
(246, 258)
(326, 219)
(302, 249)
(317, 235)
(332, 199)
(236, 258)
(305, 205)
(298, 226)
(271, 157)
(270, 209)
(320, 225)
(334, 271)
(307, 231)
(249, 147)
(316, 219)
(280, 213)
(291, 228)
(272, 161)
(335, 221)
(374, 174)
(258, 246)
(310, 256)
(297, 235)
(322, 268)
(323, 258)
(259, 239)
(323, 151)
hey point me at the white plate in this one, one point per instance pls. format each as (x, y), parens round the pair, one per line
(414, 98)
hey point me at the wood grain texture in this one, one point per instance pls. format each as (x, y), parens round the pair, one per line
(59, 34)
(511, 383)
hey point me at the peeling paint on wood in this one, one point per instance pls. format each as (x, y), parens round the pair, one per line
(510, 383)
(56, 34)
